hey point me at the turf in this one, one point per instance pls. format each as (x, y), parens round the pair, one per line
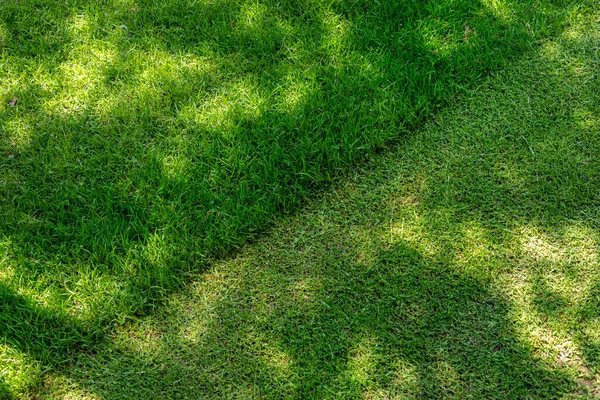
(462, 264)
(142, 139)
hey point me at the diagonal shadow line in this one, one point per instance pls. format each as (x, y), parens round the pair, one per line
(39, 341)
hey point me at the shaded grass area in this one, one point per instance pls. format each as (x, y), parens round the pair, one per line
(148, 137)
(464, 264)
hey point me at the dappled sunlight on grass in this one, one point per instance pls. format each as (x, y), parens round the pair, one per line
(151, 138)
(18, 132)
(19, 370)
(587, 119)
(362, 363)
(463, 264)
(239, 100)
(500, 9)
(415, 232)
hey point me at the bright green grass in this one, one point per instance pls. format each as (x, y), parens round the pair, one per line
(151, 136)
(464, 264)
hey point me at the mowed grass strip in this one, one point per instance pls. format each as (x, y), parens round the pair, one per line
(139, 139)
(464, 264)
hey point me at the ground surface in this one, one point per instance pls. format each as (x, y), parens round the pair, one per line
(141, 140)
(463, 264)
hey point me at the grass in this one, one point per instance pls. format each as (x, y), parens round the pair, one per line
(462, 264)
(149, 138)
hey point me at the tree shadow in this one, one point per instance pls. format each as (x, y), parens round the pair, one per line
(26, 326)
(40, 332)
(405, 326)
(151, 138)
(457, 266)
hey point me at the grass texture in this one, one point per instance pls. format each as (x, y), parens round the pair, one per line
(141, 139)
(464, 264)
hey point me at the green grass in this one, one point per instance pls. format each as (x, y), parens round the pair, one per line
(463, 264)
(150, 137)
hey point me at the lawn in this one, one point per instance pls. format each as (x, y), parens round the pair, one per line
(141, 141)
(464, 263)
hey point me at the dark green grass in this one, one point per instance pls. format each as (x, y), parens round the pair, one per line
(465, 264)
(149, 137)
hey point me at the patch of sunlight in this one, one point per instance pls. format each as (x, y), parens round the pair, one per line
(576, 244)
(7, 266)
(586, 119)
(274, 358)
(79, 26)
(176, 167)
(566, 352)
(541, 248)
(337, 43)
(405, 379)
(411, 229)
(130, 5)
(444, 45)
(582, 243)
(362, 361)
(500, 9)
(577, 31)
(404, 383)
(9, 84)
(157, 249)
(68, 389)
(45, 298)
(6, 270)
(551, 50)
(474, 246)
(19, 132)
(553, 268)
(19, 371)
(88, 294)
(532, 328)
(338, 32)
(79, 79)
(143, 85)
(592, 330)
(241, 100)
(286, 28)
(556, 348)
(296, 90)
(195, 329)
(304, 291)
(160, 66)
(252, 15)
(79, 394)
(46, 81)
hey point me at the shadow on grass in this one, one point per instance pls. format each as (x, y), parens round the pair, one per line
(405, 326)
(462, 265)
(25, 325)
(151, 137)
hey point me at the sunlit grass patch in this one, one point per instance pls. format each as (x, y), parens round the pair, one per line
(18, 373)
